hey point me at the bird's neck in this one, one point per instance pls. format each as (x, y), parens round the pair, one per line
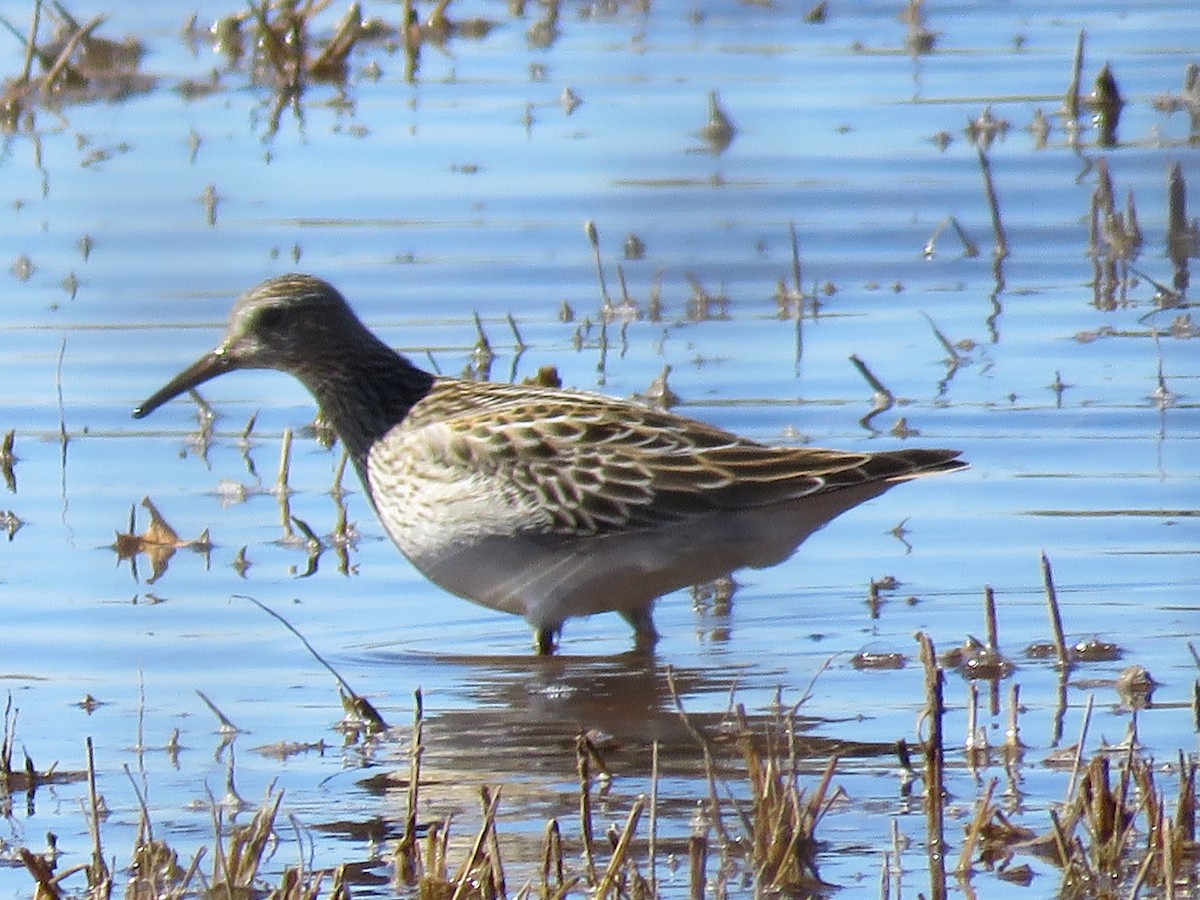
(364, 394)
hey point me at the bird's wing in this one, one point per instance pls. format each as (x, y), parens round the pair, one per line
(592, 465)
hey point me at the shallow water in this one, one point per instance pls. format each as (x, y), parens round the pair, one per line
(464, 192)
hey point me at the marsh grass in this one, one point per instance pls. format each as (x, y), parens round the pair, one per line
(24, 778)
(154, 871)
(73, 63)
(1117, 833)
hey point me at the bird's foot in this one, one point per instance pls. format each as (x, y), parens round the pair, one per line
(645, 635)
(545, 640)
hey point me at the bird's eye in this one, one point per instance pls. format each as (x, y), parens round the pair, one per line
(269, 319)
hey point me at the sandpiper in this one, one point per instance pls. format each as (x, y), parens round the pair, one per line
(537, 501)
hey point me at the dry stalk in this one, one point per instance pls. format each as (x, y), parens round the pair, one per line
(652, 840)
(617, 861)
(358, 708)
(45, 881)
(31, 43)
(226, 726)
(698, 854)
(978, 753)
(1000, 248)
(1106, 99)
(6, 744)
(331, 63)
(989, 615)
(583, 770)
(282, 490)
(236, 865)
(407, 859)
(496, 864)
(1083, 732)
(593, 236)
(935, 788)
(983, 814)
(552, 858)
(782, 828)
(1071, 100)
(882, 400)
(1182, 237)
(1185, 805)
(435, 879)
(1056, 625)
(706, 752)
(797, 286)
(8, 459)
(98, 875)
(482, 885)
(1013, 746)
(62, 65)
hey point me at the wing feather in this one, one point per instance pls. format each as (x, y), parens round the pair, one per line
(593, 464)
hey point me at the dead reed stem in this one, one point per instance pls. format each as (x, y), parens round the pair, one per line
(1083, 732)
(609, 880)
(883, 399)
(282, 490)
(989, 615)
(31, 43)
(63, 437)
(98, 874)
(407, 858)
(1000, 248)
(1185, 806)
(698, 854)
(583, 769)
(1071, 100)
(495, 865)
(797, 286)
(552, 858)
(225, 726)
(897, 855)
(976, 742)
(1056, 625)
(462, 879)
(934, 768)
(593, 236)
(706, 752)
(63, 61)
(1012, 734)
(359, 707)
(878, 386)
(652, 838)
(983, 814)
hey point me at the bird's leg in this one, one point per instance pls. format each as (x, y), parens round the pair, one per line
(544, 640)
(645, 635)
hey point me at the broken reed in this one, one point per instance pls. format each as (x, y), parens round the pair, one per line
(779, 828)
(935, 767)
(783, 821)
(1114, 837)
(1117, 832)
(154, 872)
(480, 876)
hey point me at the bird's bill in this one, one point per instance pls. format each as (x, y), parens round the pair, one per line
(210, 365)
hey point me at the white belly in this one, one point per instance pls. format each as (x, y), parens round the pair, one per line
(473, 545)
